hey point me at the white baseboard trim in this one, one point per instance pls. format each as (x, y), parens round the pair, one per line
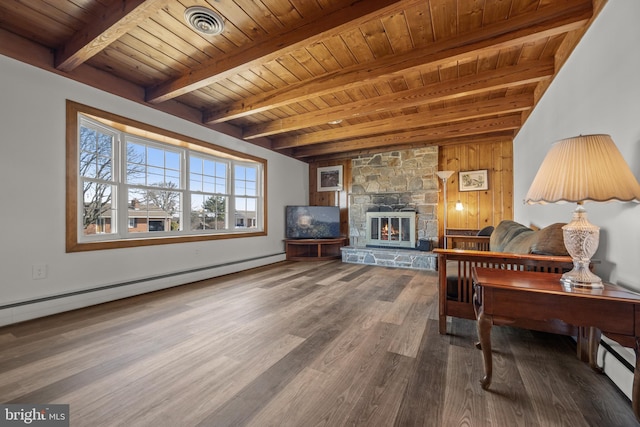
(39, 307)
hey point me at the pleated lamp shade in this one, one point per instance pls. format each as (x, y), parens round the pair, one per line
(581, 169)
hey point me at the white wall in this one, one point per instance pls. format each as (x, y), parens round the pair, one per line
(597, 91)
(32, 200)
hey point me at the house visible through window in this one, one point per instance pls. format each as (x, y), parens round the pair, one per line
(158, 185)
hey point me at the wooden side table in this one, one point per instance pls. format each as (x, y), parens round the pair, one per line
(519, 297)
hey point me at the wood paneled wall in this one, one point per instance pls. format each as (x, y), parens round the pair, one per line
(332, 198)
(481, 208)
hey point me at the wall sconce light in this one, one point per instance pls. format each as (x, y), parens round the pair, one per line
(582, 169)
(459, 206)
(444, 176)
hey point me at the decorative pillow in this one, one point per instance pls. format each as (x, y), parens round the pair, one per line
(521, 244)
(504, 233)
(485, 231)
(550, 241)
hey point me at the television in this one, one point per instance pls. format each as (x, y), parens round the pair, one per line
(312, 222)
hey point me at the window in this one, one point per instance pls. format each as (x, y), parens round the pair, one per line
(134, 185)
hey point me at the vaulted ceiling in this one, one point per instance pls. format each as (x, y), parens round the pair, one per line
(313, 79)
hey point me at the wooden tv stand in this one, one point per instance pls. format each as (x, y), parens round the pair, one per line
(314, 249)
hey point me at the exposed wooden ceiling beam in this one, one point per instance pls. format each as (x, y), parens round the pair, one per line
(475, 139)
(107, 27)
(545, 22)
(474, 110)
(487, 81)
(436, 134)
(312, 31)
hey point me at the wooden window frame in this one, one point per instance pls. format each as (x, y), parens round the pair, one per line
(74, 244)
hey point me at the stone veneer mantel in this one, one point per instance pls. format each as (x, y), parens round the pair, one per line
(388, 257)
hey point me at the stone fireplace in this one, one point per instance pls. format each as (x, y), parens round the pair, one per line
(393, 189)
(395, 182)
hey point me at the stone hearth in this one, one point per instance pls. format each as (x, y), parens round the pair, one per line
(401, 258)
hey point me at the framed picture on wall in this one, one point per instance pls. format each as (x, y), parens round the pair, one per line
(330, 178)
(473, 180)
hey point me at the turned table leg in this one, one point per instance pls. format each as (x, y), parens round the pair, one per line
(484, 334)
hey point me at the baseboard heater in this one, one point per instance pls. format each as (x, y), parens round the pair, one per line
(617, 355)
(134, 282)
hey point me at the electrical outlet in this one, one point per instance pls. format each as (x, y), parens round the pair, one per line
(39, 271)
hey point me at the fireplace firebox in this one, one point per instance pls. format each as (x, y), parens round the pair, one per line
(391, 229)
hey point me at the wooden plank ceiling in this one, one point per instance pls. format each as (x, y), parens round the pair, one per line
(313, 79)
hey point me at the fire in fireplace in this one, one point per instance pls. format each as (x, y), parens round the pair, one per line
(391, 229)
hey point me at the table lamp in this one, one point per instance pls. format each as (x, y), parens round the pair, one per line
(586, 168)
(444, 176)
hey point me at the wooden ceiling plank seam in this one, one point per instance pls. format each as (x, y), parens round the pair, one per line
(553, 21)
(242, 21)
(263, 16)
(256, 80)
(33, 24)
(397, 25)
(295, 68)
(470, 15)
(281, 72)
(375, 35)
(495, 11)
(490, 107)
(487, 81)
(129, 67)
(159, 59)
(338, 48)
(45, 12)
(419, 22)
(284, 12)
(271, 48)
(324, 57)
(268, 76)
(444, 14)
(355, 40)
(162, 49)
(170, 38)
(146, 62)
(302, 7)
(96, 35)
(309, 62)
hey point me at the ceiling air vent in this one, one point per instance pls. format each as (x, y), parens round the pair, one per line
(204, 21)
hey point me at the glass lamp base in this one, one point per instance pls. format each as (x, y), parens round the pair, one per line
(582, 279)
(581, 239)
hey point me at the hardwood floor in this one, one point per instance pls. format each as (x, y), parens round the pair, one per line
(297, 344)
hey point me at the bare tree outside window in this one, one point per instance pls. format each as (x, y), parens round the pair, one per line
(96, 165)
(167, 201)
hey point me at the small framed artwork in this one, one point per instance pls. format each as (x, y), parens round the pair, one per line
(473, 180)
(330, 178)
